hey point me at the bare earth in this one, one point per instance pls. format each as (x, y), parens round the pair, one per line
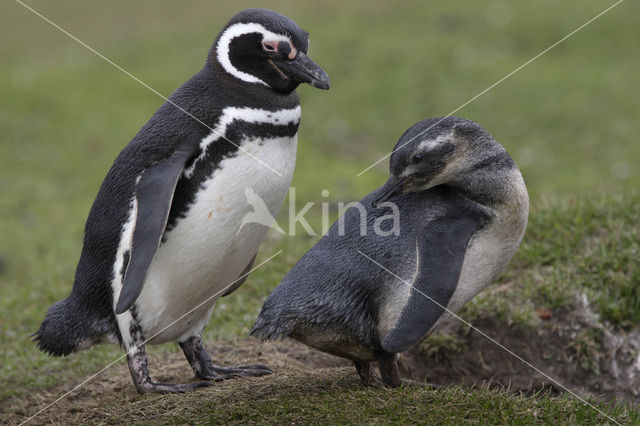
(288, 359)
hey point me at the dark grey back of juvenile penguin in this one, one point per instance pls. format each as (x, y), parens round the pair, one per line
(367, 292)
(153, 248)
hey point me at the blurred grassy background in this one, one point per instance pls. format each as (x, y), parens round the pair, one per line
(569, 119)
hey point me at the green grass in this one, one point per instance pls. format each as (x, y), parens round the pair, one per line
(333, 398)
(569, 119)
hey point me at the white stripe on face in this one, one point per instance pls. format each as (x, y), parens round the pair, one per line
(237, 30)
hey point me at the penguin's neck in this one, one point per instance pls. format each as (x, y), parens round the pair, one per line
(503, 191)
(486, 190)
(490, 180)
(255, 95)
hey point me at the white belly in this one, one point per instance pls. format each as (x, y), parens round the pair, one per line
(204, 253)
(486, 256)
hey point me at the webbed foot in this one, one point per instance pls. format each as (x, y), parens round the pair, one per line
(204, 368)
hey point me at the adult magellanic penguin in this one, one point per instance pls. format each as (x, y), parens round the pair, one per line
(367, 291)
(163, 234)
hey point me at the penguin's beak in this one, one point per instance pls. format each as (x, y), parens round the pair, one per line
(391, 187)
(303, 70)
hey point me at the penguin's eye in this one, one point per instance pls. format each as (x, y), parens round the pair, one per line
(417, 158)
(269, 46)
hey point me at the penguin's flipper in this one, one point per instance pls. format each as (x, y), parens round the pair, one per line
(154, 193)
(241, 278)
(441, 247)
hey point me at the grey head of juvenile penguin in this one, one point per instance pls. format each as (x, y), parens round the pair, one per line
(163, 241)
(443, 226)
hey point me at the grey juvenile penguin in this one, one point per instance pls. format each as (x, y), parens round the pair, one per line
(463, 208)
(163, 240)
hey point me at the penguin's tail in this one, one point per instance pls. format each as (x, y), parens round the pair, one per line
(269, 328)
(67, 329)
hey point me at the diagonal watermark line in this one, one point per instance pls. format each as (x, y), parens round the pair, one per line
(146, 340)
(493, 340)
(497, 82)
(142, 83)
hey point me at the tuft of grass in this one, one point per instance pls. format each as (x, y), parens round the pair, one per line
(587, 348)
(439, 345)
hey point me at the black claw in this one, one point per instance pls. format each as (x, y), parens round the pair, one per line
(226, 373)
(252, 367)
(151, 387)
(198, 385)
(238, 371)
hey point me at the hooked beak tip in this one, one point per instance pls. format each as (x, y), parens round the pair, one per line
(321, 81)
(318, 78)
(320, 84)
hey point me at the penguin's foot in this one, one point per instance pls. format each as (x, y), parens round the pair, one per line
(204, 368)
(390, 375)
(366, 373)
(388, 365)
(140, 374)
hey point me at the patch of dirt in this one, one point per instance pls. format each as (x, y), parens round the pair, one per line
(575, 349)
(287, 359)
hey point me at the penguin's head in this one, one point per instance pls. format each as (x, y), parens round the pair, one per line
(260, 46)
(443, 151)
